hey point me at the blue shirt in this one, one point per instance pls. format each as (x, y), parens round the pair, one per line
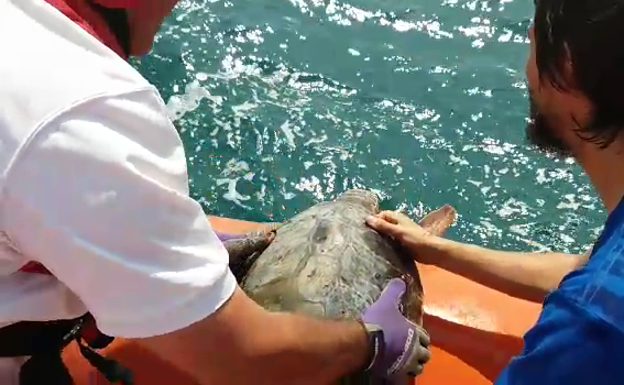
(579, 335)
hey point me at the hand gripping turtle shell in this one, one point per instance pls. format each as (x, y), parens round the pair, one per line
(326, 262)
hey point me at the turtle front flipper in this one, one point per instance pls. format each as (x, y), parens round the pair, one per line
(436, 222)
(251, 244)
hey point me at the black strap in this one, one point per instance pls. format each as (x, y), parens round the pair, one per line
(44, 343)
(29, 338)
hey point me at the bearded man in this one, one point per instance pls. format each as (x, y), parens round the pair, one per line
(575, 75)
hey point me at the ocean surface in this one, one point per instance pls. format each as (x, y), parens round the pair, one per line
(284, 103)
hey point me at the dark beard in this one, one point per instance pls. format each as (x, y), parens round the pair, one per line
(541, 134)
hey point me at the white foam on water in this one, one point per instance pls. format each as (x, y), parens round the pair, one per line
(232, 194)
(513, 208)
(188, 101)
(569, 203)
(288, 133)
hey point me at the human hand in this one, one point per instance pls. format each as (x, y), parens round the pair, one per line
(402, 346)
(413, 237)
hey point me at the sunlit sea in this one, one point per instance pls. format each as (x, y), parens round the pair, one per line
(284, 103)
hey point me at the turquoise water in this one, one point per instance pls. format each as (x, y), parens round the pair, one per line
(282, 103)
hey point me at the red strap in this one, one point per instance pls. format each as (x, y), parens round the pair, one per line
(118, 4)
(35, 267)
(81, 13)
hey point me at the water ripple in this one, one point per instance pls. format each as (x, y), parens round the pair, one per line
(285, 104)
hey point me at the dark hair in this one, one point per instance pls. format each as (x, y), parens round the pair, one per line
(590, 35)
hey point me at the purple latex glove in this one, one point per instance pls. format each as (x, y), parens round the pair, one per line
(401, 348)
(226, 237)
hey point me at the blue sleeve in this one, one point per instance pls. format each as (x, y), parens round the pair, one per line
(568, 345)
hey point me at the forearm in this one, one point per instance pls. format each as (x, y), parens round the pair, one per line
(529, 276)
(244, 344)
(299, 350)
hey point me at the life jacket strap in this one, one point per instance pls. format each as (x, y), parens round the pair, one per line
(44, 342)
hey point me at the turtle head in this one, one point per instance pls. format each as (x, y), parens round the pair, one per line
(365, 198)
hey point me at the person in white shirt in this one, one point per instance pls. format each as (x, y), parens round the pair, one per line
(95, 192)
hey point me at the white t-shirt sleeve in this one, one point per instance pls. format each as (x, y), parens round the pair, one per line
(99, 195)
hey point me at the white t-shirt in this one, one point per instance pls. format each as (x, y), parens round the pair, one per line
(94, 186)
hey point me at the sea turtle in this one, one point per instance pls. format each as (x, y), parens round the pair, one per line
(326, 262)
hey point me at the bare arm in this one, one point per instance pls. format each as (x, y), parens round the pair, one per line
(529, 276)
(242, 343)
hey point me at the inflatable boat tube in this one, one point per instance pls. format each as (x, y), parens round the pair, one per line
(475, 331)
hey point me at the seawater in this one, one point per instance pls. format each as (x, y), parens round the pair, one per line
(284, 103)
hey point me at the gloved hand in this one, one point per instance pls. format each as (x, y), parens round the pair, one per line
(402, 346)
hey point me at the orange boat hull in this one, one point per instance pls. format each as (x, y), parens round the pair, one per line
(475, 330)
